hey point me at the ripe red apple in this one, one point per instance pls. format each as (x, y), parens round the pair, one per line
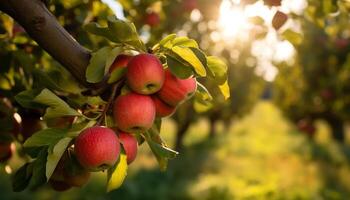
(279, 19)
(129, 143)
(175, 90)
(59, 186)
(97, 148)
(152, 19)
(189, 5)
(121, 60)
(272, 2)
(145, 74)
(5, 152)
(162, 109)
(134, 113)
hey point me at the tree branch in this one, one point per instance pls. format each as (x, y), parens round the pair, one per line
(43, 27)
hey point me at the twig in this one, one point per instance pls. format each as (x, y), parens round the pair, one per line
(116, 89)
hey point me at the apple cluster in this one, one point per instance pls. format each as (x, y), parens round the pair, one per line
(154, 92)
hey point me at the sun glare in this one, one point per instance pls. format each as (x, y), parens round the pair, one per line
(232, 20)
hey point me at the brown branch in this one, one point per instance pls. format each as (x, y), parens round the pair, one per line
(43, 27)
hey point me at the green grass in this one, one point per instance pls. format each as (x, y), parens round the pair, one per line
(261, 156)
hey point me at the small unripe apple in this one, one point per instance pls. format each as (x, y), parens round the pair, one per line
(175, 90)
(59, 186)
(134, 113)
(189, 5)
(73, 173)
(5, 152)
(121, 60)
(61, 122)
(97, 148)
(279, 19)
(77, 178)
(145, 74)
(162, 109)
(152, 19)
(129, 143)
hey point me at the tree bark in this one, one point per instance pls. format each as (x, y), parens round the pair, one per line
(181, 132)
(43, 27)
(337, 126)
(212, 130)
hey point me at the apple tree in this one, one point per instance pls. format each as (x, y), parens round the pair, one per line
(80, 90)
(315, 85)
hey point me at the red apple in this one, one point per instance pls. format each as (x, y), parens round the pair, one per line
(145, 74)
(279, 19)
(175, 90)
(5, 152)
(97, 148)
(152, 19)
(189, 5)
(120, 61)
(162, 109)
(272, 2)
(134, 113)
(306, 126)
(129, 143)
(59, 186)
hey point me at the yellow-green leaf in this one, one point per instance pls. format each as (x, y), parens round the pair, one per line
(117, 174)
(189, 56)
(225, 90)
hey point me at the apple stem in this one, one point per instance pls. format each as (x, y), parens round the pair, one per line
(116, 90)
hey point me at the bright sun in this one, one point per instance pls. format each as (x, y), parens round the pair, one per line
(234, 20)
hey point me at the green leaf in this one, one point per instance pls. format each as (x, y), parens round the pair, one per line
(218, 69)
(26, 97)
(54, 157)
(38, 178)
(185, 42)
(225, 90)
(45, 137)
(178, 68)
(201, 106)
(96, 69)
(117, 74)
(167, 39)
(45, 80)
(117, 174)
(292, 36)
(162, 153)
(57, 107)
(125, 32)
(111, 57)
(96, 29)
(203, 93)
(189, 56)
(22, 177)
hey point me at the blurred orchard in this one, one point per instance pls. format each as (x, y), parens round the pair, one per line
(203, 99)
